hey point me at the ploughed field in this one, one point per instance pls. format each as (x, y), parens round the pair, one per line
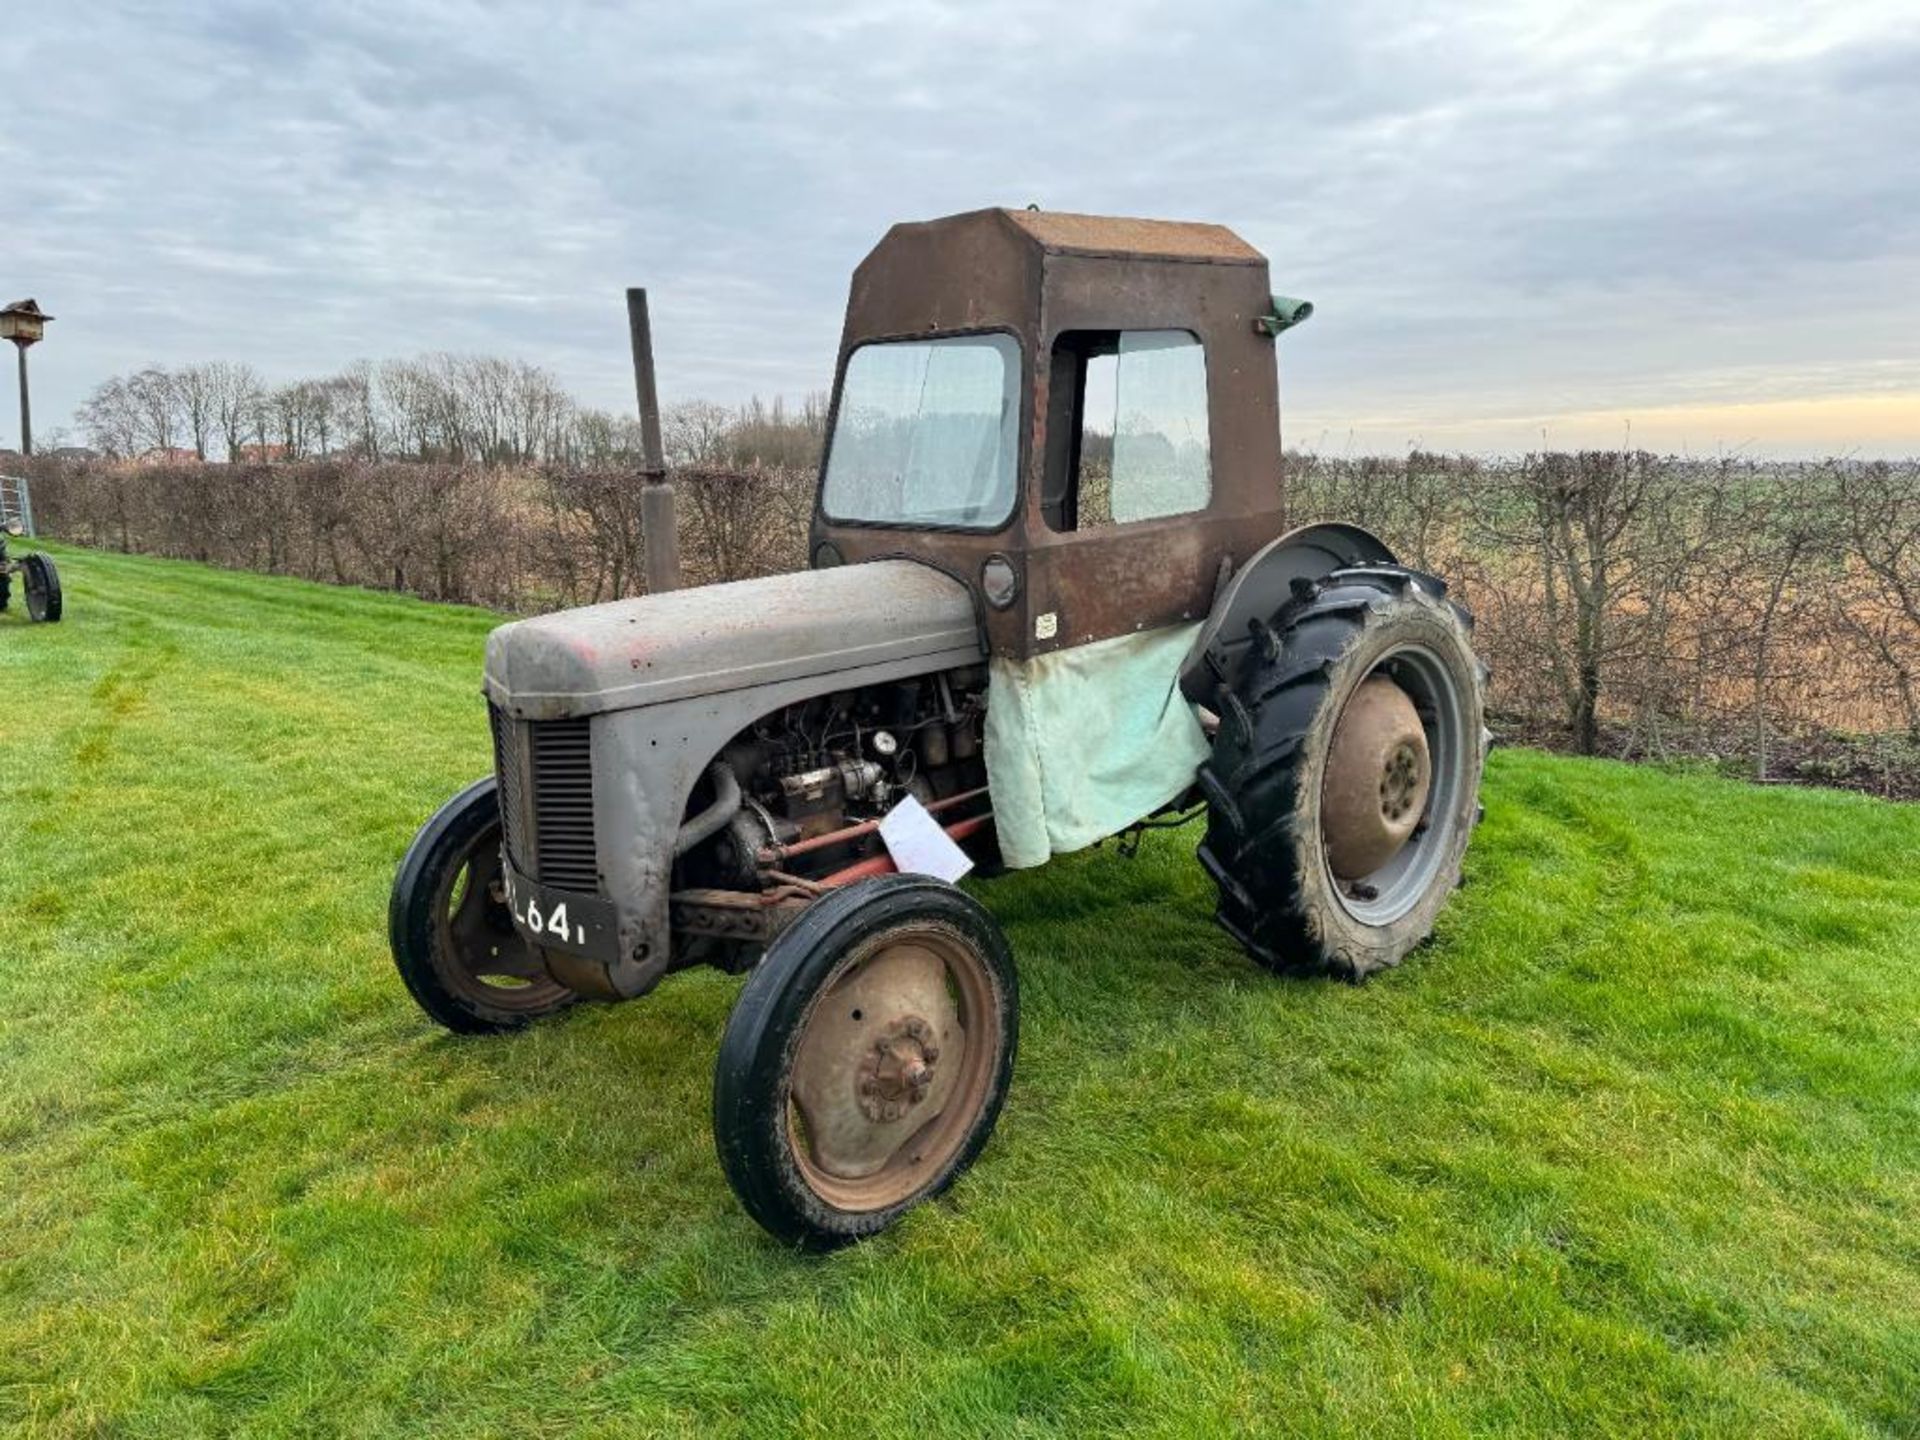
(1634, 1147)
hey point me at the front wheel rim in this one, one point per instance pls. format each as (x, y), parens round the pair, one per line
(1394, 888)
(892, 1068)
(480, 955)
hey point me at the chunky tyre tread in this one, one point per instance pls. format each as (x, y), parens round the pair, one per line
(1253, 779)
(42, 576)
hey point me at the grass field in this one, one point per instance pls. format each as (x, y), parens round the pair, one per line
(1634, 1148)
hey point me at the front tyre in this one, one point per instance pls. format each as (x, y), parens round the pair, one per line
(866, 1060)
(452, 935)
(42, 579)
(1344, 782)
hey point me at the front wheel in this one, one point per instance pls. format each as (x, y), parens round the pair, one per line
(43, 587)
(452, 935)
(1344, 782)
(866, 1060)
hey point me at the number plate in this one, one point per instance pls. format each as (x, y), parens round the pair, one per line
(563, 919)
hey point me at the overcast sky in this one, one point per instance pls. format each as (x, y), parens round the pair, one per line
(1699, 220)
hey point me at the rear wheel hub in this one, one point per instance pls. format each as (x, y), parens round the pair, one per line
(1377, 778)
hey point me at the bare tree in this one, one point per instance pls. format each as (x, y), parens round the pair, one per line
(729, 520)
(306, 416)
(409, 395)
(539, 410)
(1754, 602)
(694, 432)
(359, 403)
(599, 439)
(1880, 602)
(1574, 515)
(111, 420)
(156, 399)
(237, 390)
(775, 436)
(197, 393)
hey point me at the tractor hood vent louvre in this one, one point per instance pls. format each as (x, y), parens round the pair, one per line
(545, 772)
(563, 805)
(511, 778)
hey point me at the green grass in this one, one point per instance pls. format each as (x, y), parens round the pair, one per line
(1633, 1148)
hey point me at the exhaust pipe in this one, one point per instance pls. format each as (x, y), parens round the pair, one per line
(658, 526)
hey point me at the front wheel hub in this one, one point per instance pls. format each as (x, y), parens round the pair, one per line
(898, 1072)
(1377, 778)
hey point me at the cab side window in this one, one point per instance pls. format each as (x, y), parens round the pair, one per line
(1127, 436)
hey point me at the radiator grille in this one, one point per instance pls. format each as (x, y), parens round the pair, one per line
(545, 769)
(563, 850)
(513, 795)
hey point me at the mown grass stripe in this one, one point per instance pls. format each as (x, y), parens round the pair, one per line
(1633, 1148)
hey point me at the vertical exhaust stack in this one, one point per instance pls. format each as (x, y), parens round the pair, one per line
(658, 524)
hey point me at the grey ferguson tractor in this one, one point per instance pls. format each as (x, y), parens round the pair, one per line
(1051, 599)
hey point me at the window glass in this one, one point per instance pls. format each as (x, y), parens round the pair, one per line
(1160, 461)
(1143, 440)
(928, 433)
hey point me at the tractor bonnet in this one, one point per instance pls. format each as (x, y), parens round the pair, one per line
(684, 643)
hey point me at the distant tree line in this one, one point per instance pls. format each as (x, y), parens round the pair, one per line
(442, 409)
(1763, 616)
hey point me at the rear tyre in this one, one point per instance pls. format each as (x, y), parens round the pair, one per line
(42, 578)
(451, 932)
(866, 1060)
(1344, 782)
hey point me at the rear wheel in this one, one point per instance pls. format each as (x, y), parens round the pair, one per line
(1344, 782)
(452, 935)
(866, 1060)
(42, 579)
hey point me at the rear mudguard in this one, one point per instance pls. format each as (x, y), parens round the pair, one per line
(1259, 588)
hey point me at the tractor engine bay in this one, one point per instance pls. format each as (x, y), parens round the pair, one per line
(816, 777)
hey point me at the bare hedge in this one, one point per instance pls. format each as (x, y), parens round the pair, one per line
(514, 540)
(1654, 607)
(1630, 604)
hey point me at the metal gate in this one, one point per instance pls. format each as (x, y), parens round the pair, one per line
(16, 505)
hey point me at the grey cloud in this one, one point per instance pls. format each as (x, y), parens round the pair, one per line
(1519, 209)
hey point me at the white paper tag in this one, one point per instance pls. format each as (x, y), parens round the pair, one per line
(919, 846)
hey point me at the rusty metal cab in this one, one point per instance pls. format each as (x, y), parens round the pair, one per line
(1061, 288)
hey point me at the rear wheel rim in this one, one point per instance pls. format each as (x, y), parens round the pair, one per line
(1394, 887)
(477, 952)
(893, 1068)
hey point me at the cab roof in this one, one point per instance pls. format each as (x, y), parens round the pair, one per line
(1061, 233)
(1001, 268)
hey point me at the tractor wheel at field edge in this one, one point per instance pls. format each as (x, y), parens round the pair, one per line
(453, 939)
(1367, 680)
(866, 1060)
(42, 582)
